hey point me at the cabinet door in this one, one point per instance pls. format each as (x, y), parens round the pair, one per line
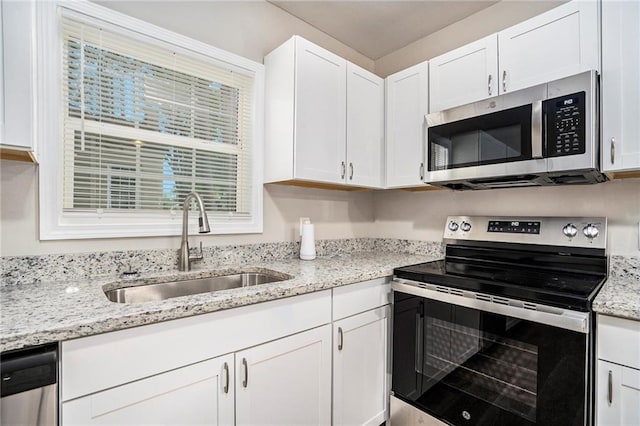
(618, 396)
(555, 44)
(17, 50)
(198, 394)
(320, 114)
(365, 127)
(464, 75)
(407, 100)
(360, 395)
(620, 83)
(287, 381)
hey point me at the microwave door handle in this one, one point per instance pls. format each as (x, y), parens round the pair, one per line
(536, 129)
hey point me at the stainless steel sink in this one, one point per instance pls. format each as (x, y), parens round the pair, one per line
(167, 290)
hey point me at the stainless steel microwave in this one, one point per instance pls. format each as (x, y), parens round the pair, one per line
(543, 135)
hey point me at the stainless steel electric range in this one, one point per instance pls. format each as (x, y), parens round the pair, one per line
(501, 331)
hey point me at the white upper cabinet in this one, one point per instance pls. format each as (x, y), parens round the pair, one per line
(365, 127)
(313, 132)
(320, 113)
(620, 86)
(406, 106)
(558, 43)
(17, 92)
(464, 75)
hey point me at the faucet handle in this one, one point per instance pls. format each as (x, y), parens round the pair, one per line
(195, 253)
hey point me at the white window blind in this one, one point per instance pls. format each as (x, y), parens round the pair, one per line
(145, 123)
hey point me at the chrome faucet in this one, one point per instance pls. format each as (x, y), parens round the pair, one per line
(185, 257)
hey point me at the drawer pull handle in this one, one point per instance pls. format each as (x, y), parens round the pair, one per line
(489, 84)
(613, 150)
(225, 367)
(344, 170)
(610, 388)
(245, 381)
(504, 80)
(421, 171)
(340, 338)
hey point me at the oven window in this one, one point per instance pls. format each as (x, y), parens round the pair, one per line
(473, 367)
(499, 137)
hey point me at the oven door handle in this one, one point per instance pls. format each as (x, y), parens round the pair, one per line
(536, 129)
(557, 317)
(419, 341)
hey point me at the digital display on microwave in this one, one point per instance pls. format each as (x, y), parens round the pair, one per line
(514, 227)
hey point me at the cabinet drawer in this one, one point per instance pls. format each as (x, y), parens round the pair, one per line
(619, 340)
(355, 298)
(99, 362)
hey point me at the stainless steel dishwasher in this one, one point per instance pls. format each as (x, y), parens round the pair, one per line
(29, 393)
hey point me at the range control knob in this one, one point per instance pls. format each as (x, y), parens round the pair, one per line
(590, 231)
(570, 230)
(465, 226)
(453, 226)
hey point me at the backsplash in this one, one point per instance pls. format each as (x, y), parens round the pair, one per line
(56, 267)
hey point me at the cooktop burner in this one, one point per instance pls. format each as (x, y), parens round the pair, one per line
(541, 260)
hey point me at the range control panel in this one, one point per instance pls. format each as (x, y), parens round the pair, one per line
(565, 125)
(588, 232)
(514, 226)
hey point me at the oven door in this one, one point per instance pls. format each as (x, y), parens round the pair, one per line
(467, 366)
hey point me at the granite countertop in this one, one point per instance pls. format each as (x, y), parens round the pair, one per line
(620, 295)
(47, 312)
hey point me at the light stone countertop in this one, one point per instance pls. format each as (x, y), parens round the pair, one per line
(620, 295)
(46, 312)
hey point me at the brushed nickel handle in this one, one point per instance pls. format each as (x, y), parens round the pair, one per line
(489, 84)
(245, 381)
(340, 338)
(344, 170)
(225, 388)
(350, 171)
(504, 80)
(610, 388)
(613, 150)
(421, 171)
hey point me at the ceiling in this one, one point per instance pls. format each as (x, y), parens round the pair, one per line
(376, 28)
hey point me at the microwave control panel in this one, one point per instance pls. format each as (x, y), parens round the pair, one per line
(565, 125)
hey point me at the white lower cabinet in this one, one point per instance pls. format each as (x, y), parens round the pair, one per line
(618, 375)
(286, 382)
(197, 394)
(360, 368)
(618, 395)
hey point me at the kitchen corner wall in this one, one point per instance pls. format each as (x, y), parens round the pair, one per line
(422, 215)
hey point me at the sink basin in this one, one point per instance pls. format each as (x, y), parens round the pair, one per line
(167, 290)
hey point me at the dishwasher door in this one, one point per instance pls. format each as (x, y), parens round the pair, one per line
(29, 390)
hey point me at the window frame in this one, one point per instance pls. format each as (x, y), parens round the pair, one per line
(55, 223)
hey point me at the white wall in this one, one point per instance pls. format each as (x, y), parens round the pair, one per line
(490, 20)
(337, 214)
(247, 28)
(422, 215)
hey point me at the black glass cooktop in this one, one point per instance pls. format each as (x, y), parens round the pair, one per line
(570, 283)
